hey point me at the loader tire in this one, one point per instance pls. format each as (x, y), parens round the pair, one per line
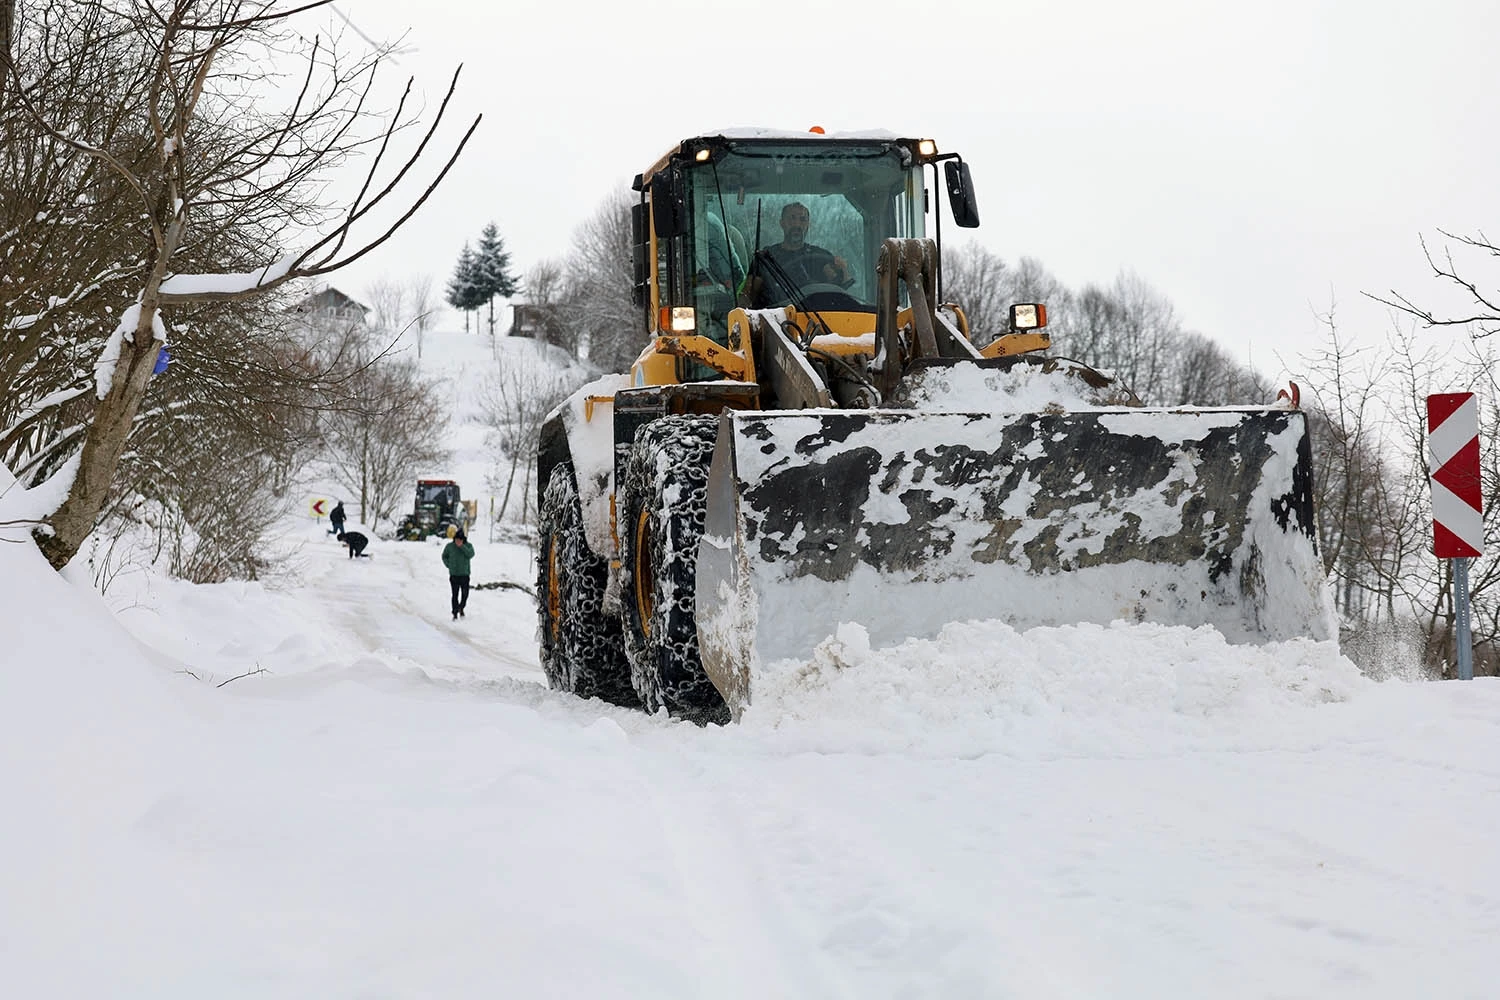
(581, 647)
(663, 499)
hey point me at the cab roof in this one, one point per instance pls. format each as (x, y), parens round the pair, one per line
(742, 133)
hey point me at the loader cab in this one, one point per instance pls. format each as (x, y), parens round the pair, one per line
(443, 493)
(710, 214)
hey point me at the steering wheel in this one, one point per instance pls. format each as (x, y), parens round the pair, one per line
(831, 297)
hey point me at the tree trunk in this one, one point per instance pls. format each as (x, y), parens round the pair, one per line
(7, 30)
(505, 500)
(109, 428)
(364, 475)
(526, 494)
(103, 445)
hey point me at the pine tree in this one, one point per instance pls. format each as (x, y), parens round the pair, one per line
(464, 289)
(492, 270)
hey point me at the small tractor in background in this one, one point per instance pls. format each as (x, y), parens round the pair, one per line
(438, 510)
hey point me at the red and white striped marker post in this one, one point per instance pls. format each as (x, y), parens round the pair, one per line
(1457, 502)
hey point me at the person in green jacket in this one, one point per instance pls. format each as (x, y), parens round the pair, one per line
(456, 556)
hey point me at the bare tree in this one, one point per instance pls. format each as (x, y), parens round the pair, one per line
(399, 307)
(1132, 330)
(1367, 407)
(383, 426)
(213, 528)
(1423, 587)
(220, 438)
(420, 304)
(1146, 338)
(1032, 282)
(1426, 582)
(1358, 493)
(980, 283)
(597, 305)
(388, 307)
(1200, 372)
(514, 401)
(66, 225)
(545, 288)
(200, 177)
(544, 282)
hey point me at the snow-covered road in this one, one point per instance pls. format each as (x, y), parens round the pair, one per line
(396, 602)
(397, 807)
(392, 605)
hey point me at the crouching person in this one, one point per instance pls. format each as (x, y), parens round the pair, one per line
(356, 542)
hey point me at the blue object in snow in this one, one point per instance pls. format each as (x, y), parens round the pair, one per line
(162, 360)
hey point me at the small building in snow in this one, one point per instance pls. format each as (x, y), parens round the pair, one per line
(527, 320)
(332, 304)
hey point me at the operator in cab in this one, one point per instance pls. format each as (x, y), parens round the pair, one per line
(795, 260)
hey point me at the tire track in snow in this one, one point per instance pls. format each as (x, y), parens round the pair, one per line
(748, 939)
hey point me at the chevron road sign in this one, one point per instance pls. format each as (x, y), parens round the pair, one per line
(1457, 503)
(1453, 449)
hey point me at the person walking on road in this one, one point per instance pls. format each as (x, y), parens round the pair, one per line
(336, 518)
(456, 556)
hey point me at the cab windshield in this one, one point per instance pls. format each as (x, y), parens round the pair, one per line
(438, 493)
(818, 212)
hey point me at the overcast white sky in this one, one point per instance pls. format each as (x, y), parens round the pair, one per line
(1253, 162)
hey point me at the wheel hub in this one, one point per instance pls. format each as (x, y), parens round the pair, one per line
(554, 591)
(644, 573)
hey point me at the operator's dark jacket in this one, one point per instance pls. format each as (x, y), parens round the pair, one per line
(456, 557)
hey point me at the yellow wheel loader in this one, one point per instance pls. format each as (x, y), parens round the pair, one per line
(813, 437)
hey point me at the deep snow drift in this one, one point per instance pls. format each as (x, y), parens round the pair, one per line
(333, 790)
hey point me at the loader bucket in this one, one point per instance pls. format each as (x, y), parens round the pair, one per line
(904, 521)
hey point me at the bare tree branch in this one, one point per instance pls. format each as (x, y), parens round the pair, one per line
(1483, 322)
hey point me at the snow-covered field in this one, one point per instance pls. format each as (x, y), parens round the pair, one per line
(331, 789)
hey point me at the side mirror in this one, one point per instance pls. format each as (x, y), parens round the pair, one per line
(961, 194)
(666, 216)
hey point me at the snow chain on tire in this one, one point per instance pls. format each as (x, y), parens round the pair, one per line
(663, 499)
(581, 647)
